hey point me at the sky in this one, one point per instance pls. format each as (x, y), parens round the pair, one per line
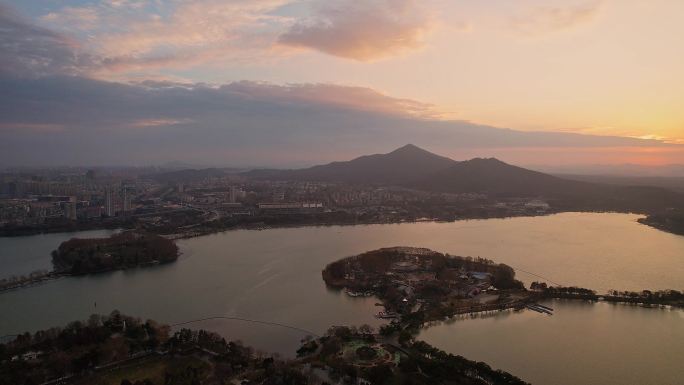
(291, 83)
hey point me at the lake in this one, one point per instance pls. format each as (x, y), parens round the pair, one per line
(275, 275)
(582, 343)
(23, 255)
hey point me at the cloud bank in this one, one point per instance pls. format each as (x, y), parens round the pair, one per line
(122, 38)
(80, 121)
(140, 36)
(52, 113)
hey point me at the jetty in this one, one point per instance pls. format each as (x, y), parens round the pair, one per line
(540, 308)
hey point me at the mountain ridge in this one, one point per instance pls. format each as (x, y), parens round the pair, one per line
(413, 167)
(397, 167)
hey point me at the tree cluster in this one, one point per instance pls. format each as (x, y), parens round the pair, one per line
(120, 251)
(76, 348)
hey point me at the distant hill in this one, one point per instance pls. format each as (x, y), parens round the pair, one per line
(499, 179)
(670, 183)
(413, 167)
(495, 177)
(399, 167)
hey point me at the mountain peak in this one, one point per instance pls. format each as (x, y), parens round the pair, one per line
(408, 148)
(399, 167)
(412, 153)
(486, 161)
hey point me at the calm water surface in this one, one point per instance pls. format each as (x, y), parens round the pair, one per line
(23, 255)
(275, 275)
(582, 343)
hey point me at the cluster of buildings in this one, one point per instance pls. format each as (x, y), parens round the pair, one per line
(27, 200)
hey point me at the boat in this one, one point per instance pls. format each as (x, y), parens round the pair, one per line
(539, 308)
(353, 293)
(386, 315)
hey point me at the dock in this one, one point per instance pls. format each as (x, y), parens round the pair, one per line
(540, 308)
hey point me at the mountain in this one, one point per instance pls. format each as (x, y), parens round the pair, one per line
(415, 168)
(399, 167)
(412, 166)
(497, 178)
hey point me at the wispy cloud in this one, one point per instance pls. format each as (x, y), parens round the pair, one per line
(660, 138)
(361, 31)
(30, 50)
(156, 122)
(114, 39)
(345, 97)
(129, 36)
(31, 127)
(545, 19)
(85, 18)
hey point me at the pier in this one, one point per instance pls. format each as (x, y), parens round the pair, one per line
(540, 308)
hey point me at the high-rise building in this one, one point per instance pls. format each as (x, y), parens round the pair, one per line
(126, 200)
(109, 203)
(89, 180)
(70, 210)
(233, 194)
(278, 196)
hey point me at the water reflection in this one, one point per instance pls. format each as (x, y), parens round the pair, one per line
(582, 343)
(275, 275)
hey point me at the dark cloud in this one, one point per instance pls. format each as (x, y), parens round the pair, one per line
(29, 50)
(74, 120)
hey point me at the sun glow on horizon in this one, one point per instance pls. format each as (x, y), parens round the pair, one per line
(593, 67)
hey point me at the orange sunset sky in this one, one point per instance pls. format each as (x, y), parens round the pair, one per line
(592, 67)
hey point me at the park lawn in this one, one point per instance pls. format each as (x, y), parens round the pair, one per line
(153, 369)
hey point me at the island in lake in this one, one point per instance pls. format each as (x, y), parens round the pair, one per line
(418, 285)
(78, 256)
(422, 285)
(119, 251)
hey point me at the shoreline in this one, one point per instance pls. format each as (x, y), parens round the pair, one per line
(650, 222)
(54, 275)
(413, 292)
(263, 226)
(49, 277)
(174, 237)
(189, 235)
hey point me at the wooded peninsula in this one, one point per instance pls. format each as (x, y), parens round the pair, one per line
(418, 285)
